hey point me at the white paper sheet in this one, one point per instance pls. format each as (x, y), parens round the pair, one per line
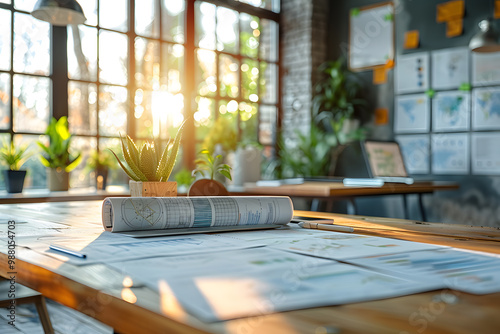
(485, 153)
(460, 270)
(450, 153)
(485, 69)
(450, 111)
(412, 73)
(450, 68)
(412, 114)
(416, 153)
(486, 108)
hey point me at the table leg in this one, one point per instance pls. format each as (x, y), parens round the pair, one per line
(405, 206)
(422, 209)
(351, 206)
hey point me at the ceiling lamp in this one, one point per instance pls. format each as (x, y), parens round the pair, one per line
(59, 12)
(486, 40)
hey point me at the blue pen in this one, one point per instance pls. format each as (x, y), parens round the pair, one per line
(67, 251)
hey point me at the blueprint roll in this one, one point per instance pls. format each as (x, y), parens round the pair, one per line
(127, 214)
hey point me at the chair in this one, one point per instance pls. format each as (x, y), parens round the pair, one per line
(25, 295)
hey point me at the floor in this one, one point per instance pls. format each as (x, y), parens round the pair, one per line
(64, 320)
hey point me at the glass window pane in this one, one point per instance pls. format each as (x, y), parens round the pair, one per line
(267, 124)
(31, 103)
(205, 25)
(147, 63)
(113, 58)
(31, 45)
(113, 14)
(228, 111)
(269, 40)
(249, 35)
(79, 177)
(36, 175)
(5, 1)
(204, 116)
(249, 79)
(173, 12)
(172, 68)
(273, 5)
(116, 176)
(90, 11)
(249, 121)
(206, 77)
(146, 19)
(158, 113)
(5, 39)
(113, 102)
(82, 108)
(143, 114)
(227, 30)
(82, 52)
(268, 83)
(4, 101)
(228, 76)
(26, 5)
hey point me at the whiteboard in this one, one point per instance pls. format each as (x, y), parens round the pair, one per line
(371, 36)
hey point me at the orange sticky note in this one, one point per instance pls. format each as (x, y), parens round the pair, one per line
(450, 10)
(496, 14)
(454, 28)
(381, 116)
(379, 75)
(411, 39)
(389, 63)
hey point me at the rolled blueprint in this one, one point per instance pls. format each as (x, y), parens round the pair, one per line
(123, 214)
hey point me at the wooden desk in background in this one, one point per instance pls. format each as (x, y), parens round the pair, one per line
(97, 290)
(336, 190)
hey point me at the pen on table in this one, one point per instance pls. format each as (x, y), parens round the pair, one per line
(326, 227)
(67, 251)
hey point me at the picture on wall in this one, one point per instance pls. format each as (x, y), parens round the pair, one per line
(450, 111)
(450, 153)
(485, 69)
(412, 114)
(412, 73)
(486, 108)
(485, 153)
(450, 68)
(416, 152)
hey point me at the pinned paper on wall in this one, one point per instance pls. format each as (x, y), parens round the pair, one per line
(450, 68)
(454, 27)
(450, 153)
(485, 69)
(450, 111)
(412, 73)
(411, 39)
(412, 114)
(485, 153)
(486, 109)
(416, 152)
(381, 116)
(450, 10)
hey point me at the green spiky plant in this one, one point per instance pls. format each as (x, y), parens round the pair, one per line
(14, 157)
(148, 164)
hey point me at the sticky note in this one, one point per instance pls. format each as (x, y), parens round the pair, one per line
(379, 75)
(454, 28)
(411, 39)
(381, 116)
(496, 13)
(389, 63)
(450, 10)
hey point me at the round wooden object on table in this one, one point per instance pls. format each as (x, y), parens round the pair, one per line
(205, 187)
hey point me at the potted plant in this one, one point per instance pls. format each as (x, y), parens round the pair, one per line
(56, 155)
(149, 168)
(14, 157)
(208, 166)
(100, 162)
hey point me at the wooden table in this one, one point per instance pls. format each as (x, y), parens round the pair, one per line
(99, 292)
(336, 190)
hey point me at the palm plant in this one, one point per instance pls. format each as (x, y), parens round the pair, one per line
(209, 166)
(149, 163)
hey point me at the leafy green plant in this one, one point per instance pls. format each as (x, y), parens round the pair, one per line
(56, 154)
(12, 156)
(148, 163)
(209, 166)
(101, 159)
(184, 177)
(222, 132)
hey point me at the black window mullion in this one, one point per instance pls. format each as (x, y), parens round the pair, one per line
(189, 86)
(131, 124)
(59, 72)
(11, 79)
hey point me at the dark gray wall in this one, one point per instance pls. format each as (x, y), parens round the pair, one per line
(478, 200)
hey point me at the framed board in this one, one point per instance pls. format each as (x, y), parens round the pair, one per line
(371, 36)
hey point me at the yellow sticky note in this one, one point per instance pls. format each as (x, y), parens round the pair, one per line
(454, 28)
(450, 10)
(379, 75)
(381, 116)
(411, 39)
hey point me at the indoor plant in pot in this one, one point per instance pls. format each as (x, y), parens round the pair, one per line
(56, 155)
(149, 168)
(14, 157)
(99, 163)
(208, 166)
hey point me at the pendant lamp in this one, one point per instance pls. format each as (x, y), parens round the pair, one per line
(59, 12)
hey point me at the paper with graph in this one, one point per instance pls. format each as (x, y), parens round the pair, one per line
(124, 214)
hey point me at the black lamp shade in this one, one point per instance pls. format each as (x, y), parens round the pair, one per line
(59, 12)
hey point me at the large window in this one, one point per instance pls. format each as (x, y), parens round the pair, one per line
(141, 70)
